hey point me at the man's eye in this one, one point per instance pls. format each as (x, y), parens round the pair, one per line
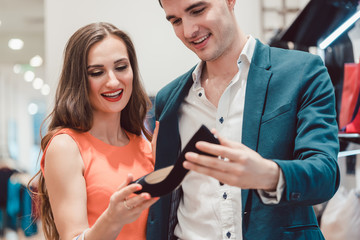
(95, 74)
(176, 22)
(198, 11)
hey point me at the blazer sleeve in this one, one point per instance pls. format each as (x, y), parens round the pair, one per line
(313, 175)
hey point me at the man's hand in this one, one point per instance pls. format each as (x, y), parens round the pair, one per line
(236, 165)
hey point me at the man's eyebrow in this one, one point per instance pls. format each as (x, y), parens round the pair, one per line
(195, 5)
(188, 9)
(169, 17)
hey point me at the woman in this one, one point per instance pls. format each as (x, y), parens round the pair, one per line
(94, 140)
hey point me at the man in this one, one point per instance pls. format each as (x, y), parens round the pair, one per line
(273, 111)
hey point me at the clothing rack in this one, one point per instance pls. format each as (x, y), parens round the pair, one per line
(17, 206)
(351, 155)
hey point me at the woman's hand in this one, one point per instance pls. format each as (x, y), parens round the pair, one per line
(125, 206)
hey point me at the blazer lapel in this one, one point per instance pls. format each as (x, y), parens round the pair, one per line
(177, 96)
(255, 97)
(169, 127)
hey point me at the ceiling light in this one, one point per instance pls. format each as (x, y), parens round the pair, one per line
(334, 35)
(29, 76)
(17, 68)
(33, 108)
(36, 61)
(15, 44)
(37, 83)
(45, 90)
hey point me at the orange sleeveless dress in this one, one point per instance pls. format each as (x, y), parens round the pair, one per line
(106, 167)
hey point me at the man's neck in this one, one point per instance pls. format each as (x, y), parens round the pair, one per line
(225, 66)
(217, 74)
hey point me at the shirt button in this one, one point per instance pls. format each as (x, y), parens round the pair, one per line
(221, 120)
(295, 196)
(200, 94)
(228, 234)
(152, 218)
(224, 195)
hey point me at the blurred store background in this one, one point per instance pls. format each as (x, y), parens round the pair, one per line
(33, 34)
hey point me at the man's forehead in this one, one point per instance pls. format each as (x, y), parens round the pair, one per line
(174, 8)
(184, 5)
(181, 2)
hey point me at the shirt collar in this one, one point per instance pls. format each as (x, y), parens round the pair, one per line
(248, 50)
(245, 56)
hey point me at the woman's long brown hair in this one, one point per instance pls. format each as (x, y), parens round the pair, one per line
(72, 108)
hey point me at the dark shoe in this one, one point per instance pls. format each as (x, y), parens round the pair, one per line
(165, 180)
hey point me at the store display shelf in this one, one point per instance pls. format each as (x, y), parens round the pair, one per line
(349, 153)
(349, 137)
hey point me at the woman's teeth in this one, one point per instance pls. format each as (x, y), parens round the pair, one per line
(114, 94)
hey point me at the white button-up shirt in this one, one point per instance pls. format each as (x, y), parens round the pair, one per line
(209, 210)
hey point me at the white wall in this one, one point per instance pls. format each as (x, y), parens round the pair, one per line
(15, 97)
(161, 56)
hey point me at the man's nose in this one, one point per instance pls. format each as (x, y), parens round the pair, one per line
(191, 29)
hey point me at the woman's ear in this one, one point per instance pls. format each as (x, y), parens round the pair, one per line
(231, 4)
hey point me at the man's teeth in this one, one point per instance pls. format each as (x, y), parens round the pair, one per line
(201, 39)
(112, 94)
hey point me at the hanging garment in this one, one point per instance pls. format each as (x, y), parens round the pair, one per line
(5, 174)
(336, 56)
(353, 126)
(19, 209)
(350, 93)
(13, 204)
(341, 217)
(27, 221)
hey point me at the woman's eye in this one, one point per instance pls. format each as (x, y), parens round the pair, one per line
(95, 74)
(121, 68)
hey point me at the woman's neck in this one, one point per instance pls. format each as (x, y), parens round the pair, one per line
(107, 128)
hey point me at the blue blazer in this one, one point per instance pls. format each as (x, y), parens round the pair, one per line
(289, 117)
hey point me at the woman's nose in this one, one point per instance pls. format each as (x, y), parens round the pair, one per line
(112, 79)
